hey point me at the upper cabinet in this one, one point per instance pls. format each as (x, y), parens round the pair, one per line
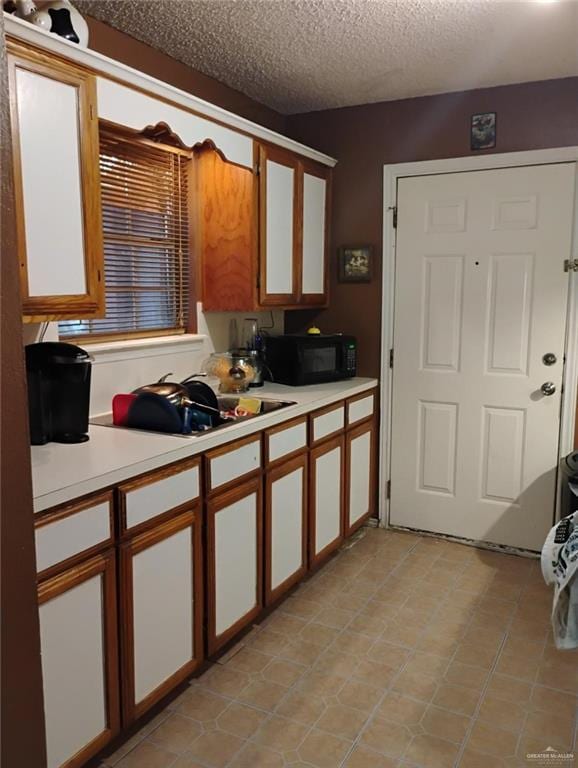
(262, 234)
(259, 209)
(293, 223)
(279, 230)
(58, 212)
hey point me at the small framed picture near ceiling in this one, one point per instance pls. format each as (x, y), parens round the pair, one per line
(483, 131)
(355, 264)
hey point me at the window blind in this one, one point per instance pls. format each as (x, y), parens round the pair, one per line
(144, 195)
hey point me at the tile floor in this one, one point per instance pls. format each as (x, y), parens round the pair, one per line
(403, 651)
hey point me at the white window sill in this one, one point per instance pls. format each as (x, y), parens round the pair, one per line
(153, 346)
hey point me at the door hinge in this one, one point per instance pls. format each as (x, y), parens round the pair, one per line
(394, 209)
(570, 265)
(388, 490)
(391, 358)
(257, 169)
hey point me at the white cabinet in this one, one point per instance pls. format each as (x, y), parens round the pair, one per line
(279, 239)
(78, 637)
(230, 464)
(56, 161)
(315, 202)
(154, 495)
(285, 526)
(293, 217)
(326, 498)
(359, 475)
(234, 561)
(161, 587)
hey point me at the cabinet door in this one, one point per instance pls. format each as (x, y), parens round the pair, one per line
(78, 636)
(326, 499)
(162, 600)
(359, 475)
(314, 179)
(285, 526)
(234, 553)
(56, 162)
(227, 233)
(280, 231)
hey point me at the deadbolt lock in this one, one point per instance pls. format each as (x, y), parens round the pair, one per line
(549, 358)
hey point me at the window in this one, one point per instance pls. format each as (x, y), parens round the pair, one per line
(144, 194)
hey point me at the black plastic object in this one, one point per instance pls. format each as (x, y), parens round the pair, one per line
(200, 392)
(569, 479)
(58, 376)
(154, 413)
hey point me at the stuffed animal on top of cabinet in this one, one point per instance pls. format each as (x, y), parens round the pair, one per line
(57, 16)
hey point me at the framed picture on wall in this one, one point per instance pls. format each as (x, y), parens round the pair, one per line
(355, 264)
(483, 131)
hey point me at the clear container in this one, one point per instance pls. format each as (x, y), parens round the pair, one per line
(234, 371)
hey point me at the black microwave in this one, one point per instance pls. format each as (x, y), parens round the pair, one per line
(310, 359)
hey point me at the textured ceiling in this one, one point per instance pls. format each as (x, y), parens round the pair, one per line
(301, 55)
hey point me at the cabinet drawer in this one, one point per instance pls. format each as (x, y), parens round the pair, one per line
(148, 497)
(285, 440)
(327, 422)
(360, 407)
(233, 462)
(73, 530)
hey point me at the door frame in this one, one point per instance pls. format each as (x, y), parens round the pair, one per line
(391, 174)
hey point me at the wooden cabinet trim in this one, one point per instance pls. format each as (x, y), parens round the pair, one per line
(360, 428)
(57, 585)
(91, 303)
(189, 519)
(223, 500)
(319, 450)
(222, 450)
(322, 412)
(281, 428)
(361, 396)
(301, 461)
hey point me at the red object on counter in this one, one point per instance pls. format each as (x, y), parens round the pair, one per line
(120, 408)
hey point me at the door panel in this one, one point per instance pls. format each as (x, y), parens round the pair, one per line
(326, 498)
(280, 237)
(286, 526)
(161, 587)
(78, 637)
(234, 538)
(481, 296)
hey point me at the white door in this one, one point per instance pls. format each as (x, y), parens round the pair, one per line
(480, 298)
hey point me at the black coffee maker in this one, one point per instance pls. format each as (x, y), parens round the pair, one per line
(58, 377)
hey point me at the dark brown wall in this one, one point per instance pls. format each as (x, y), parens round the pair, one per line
(21, 706)
(364, 138)
(133, 53)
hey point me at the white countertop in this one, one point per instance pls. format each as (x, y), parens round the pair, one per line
(61, 473)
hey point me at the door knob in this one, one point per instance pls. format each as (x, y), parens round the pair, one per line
(548, 388)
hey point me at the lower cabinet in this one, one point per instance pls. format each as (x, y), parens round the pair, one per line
(285, 526)
(325, 498)
(234, 561)
(161, 588)
(360, 468)
(78, 636)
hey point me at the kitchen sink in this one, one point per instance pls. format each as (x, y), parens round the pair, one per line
(226, 403)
